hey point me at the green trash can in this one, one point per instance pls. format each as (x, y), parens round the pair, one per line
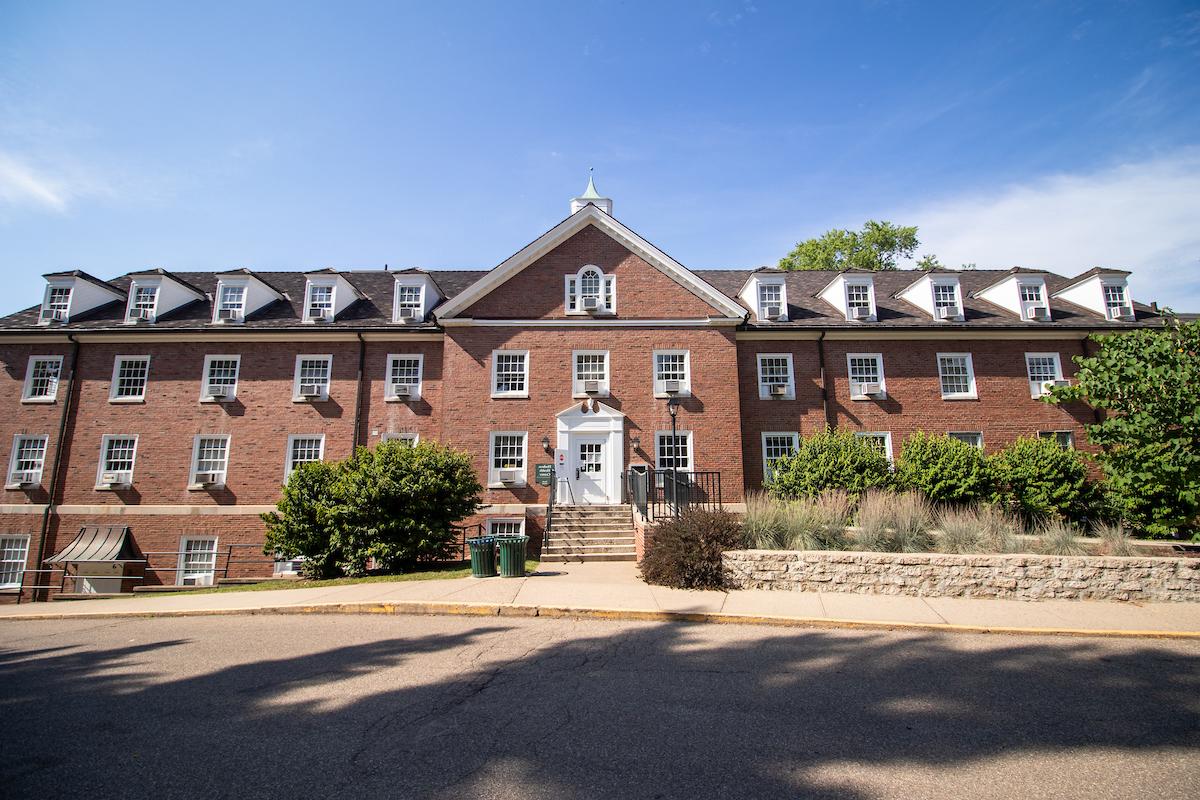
(512, 556)
(483, 556)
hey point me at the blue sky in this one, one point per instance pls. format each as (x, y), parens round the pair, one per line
(444, 135)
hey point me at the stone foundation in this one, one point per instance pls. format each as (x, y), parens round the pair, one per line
(1017, 577)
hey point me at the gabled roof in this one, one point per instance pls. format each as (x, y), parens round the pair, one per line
(83, 276)
(841, 273)
(1092, 273)
(1008, 274)
(589, 215)
(250, 274)
(922, 276)
(162, 273)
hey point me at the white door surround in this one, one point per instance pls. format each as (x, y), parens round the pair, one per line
(594, 440)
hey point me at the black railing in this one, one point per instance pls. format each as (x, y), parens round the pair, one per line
(659, 493)
(465, 532)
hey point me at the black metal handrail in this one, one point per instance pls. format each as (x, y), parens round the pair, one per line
(659, 493)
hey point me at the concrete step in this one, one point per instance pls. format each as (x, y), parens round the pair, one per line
(555, 558)
(583, 533)
(86, 595)
(590, 519)
(559, 547)
(164, 589)
(597, 507)
(590, 540)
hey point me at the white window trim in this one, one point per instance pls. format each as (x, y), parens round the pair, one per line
(493, 471)
(763, 392)
(951, 434)
(887, 440)
(244, 284)
(102, 466)
(332, 285)
(972, 393)
(1127, 303)
(758, 303)
(882, 379)
(605, 279)
(50, 287)
(112, 388)
(846, 284)
(205, 397)
(685, 388)
(388, 395)
(1045, 295)
(183, 542)
(288, 466)
(1058, 373)
(577, 385)
(494, 520)
(958, 300)
(793, 435)
(12, 459)
(133, 287)
(192, 485)
(328, 358)
(1054, 434)
(25, 563)
(25, 398)
(691, 448)
(510, 395)
(411, 284)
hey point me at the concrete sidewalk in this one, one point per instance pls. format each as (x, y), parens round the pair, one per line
(613, 590)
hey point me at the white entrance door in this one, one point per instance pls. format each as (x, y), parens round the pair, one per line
(591, 465)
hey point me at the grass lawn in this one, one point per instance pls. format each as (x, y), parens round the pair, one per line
(436, 573)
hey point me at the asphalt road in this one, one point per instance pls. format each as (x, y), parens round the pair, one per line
(398, 707)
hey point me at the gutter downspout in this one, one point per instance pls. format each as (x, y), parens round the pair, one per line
(54, 468)
(358, 398)
(824, 387)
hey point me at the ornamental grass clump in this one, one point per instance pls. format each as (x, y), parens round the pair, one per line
(1114, 541)
(1057, 537)
(977, 529)
(894, 523)
(807, 523)
(765, 525)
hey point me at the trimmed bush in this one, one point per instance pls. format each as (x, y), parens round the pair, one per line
(1039, 478)
(836, 460)
(685, 552)
(944, 469)
(300, 525)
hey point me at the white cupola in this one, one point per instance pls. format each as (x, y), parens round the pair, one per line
(592, 197)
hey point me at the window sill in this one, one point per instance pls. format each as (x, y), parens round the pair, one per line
(665, 396)
(121, 488)
(126, 401)
(524, 396)
(16, 487)
(589, 396)
(311, 400)
(784, 397)
(39, 400)
(960, 397)
(498, 485)
(196, 487)
(391, 398)
(868, 398)
(216, 401)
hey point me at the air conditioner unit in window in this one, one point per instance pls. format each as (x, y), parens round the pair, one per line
(112, 480)
(141, 314)
(320, 314)
(311, 391)
(772, 312)
(509, 475)
(779, 390)
(53, 315)
(1058, 384)
(407, 315)
(402, 390)
(864, 391)
(1037, 312)
(860, 312)
(207, 478)
(229, 315)
(947, 312)
(671, 387)
(22, 480)
(591, 304)
(218, 391)
(591, 387)
(1123, 313)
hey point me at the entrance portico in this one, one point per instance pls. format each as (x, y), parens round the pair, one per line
(592, 435)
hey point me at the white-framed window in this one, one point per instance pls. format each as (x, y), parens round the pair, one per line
(404, 376)
(777, 445)
(1043, 369)
(28, 459)
(865, 371)
(672, 373)
(956, 372)
(772, 301)
(511, 526)
(775, 370)
(1031, 292)
(301, 449)
(590, 291)
(319, 303)
(880, 440)
(56, 305)
(510, 373)
(197, 561)
(1065, 439)
(312, 377)
(507, 458)
(1116, 300)
(130, 374)
(220, 379)
(409, 438)
(231, 302)
(860, 294)
(210, 460)
(590, 373)
(410, 302)
(143, 303)
(945, 295)
(1032, 295)
(14, 554)
(676, 453)
(973, 438)
(118, 454)
(41, 379)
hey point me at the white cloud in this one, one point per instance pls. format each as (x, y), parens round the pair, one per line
(21, 185)
(1143, 217)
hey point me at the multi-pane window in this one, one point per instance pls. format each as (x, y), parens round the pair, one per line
(41, 378)
(506, 527)
(770, 300)
(591, 372)
(117, 456)
(197, 561)
(231, 303)
(1031, 293)
(143, 302)
(510, 373)
(409, 301)
(866, 374)
(404, 376)
(304, 449)
(210, 459)
(973, 438)
(129, 378)
(220, 376)
(28, 459)
(671, 372)
(1065, 439)
(945, 295)
(507, 462)
(776, 446)
(858, 295)
(1115, 303)
(312, 377)
(957, 375)
(58, 303)
(320, 302)
(881, 441)
(14, 552)
(1043, 368)
(674, 452)
(774, 371)
(591, 284)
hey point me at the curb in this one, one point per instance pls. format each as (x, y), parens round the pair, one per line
(434, 608)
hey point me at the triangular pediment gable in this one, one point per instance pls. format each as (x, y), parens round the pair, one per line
(589, 409)
(721, 304)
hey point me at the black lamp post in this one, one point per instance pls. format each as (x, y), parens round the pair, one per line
(673, 409)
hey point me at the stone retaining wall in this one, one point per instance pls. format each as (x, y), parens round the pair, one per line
(1019, 577)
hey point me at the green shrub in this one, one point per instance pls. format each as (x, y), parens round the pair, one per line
(1039, 478)
(830, 460)
(894, 523)
(394, 505)
(944, 469)
(685, 552)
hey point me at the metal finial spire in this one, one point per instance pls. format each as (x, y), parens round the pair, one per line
(591, 193)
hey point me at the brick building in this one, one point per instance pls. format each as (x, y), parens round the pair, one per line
(159, 413)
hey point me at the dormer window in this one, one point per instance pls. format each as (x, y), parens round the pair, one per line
(57, 305)
(946, 302)
(1116, 301)
(410, 302)
(772, 302)
(143, 303)
(590, 291)
(1033, 301)
(860, 303)
(319, 305)
(231, 303)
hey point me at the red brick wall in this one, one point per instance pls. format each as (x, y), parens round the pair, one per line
(643, 292)
(35, 419)
(421, 416)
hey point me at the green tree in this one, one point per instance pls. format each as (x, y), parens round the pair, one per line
(830, 460)
(944, 469)
(1041, 478)
(929, 261)
(300, 524)
(878, 246)
(1145, 383)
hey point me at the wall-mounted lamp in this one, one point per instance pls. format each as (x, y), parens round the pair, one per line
(546, 443)
(635, 442)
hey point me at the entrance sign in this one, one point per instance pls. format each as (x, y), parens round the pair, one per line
(543, 474)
